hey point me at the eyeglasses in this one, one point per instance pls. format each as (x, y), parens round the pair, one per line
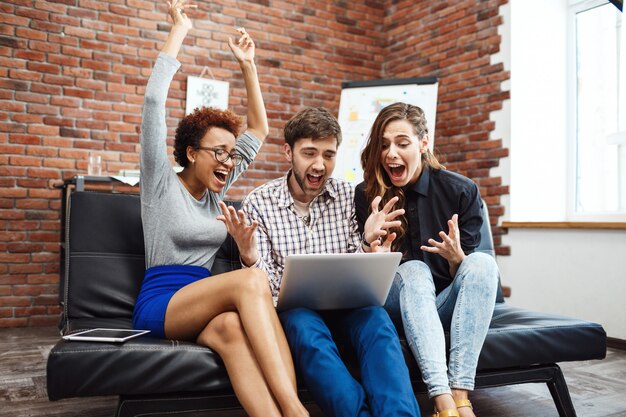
(221, 155)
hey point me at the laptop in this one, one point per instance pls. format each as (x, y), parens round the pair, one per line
(337, 281)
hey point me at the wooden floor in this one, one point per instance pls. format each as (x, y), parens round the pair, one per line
(598, 388)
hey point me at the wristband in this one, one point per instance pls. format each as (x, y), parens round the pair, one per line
(365, 242)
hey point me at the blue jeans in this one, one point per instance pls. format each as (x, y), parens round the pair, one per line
(465, 307)
(386, 387)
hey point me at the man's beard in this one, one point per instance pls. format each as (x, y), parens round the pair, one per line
(302, 181)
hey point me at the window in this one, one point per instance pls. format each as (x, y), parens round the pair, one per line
(597, 113)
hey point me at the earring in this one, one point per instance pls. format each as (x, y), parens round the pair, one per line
(193, 161)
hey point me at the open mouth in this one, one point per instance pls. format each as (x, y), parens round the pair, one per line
(396, 171)
(221, 175)
(314, 180)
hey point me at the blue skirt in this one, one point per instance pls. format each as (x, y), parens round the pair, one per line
(158, 286)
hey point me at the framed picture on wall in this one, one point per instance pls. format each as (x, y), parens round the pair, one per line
(204, 92)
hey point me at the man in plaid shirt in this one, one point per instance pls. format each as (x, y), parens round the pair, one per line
(306, 211)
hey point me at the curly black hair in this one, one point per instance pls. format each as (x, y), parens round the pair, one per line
(194, 126)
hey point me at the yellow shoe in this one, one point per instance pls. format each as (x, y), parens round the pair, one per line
(463, 403)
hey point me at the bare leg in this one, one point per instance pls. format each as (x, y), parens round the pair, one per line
(226, 336)
(246, 291)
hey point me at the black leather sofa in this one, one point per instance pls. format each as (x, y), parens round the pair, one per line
(104, 265)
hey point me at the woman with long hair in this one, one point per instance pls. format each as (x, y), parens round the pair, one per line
(442, 282)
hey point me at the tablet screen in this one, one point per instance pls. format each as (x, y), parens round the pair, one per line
(106, 335)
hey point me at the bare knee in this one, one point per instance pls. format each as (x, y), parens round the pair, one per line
(224, 331)
(253, 282)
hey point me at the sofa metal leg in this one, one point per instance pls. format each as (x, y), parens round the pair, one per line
(560, 394)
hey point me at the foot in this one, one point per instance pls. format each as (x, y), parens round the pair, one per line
(466, 412)
(462, 402)
(445, 406)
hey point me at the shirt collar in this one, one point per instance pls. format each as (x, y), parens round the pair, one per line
(422, 184)
(285, 199)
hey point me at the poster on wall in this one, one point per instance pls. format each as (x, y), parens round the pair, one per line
(204, 92)
(360, 103)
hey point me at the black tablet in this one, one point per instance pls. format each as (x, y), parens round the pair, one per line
(105, 335)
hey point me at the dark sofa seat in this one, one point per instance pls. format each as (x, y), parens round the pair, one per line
(104, 265)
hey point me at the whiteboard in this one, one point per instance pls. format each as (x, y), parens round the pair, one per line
(360, 104)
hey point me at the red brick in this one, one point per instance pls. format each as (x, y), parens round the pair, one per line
(13, 322)
(48, 194)
(25, 161)
(23, 225)
(43, 173)
(60, 163)
(12, 192)
(20, 247)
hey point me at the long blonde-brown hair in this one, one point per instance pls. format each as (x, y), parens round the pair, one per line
(377, 182)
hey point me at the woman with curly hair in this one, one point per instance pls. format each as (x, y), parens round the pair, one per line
(442, 282)
(183, 221)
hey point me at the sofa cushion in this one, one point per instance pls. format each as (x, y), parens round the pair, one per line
(143, 365)
(519, 337)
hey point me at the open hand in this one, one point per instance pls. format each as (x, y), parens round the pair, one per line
(177, 10)
(238, 227)
(244, 48)
(379, 221)
(450, 245)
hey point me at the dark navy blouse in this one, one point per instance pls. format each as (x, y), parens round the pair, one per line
(429, 204)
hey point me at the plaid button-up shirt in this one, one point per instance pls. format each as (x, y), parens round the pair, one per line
(332, 226)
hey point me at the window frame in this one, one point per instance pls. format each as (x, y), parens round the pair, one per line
(575, 7)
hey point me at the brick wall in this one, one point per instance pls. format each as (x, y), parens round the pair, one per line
(72, 75)
(454, 41)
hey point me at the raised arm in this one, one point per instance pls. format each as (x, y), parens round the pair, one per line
(182, 24)
(154, 160)
(243, 51)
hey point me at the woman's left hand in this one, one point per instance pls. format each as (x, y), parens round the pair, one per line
(450, 245)
(244, 48)
(242, 232)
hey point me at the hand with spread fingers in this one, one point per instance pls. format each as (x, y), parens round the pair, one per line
(450, 245)
(243, 233)
(243, 50)
(379, 221)
(177, 10)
